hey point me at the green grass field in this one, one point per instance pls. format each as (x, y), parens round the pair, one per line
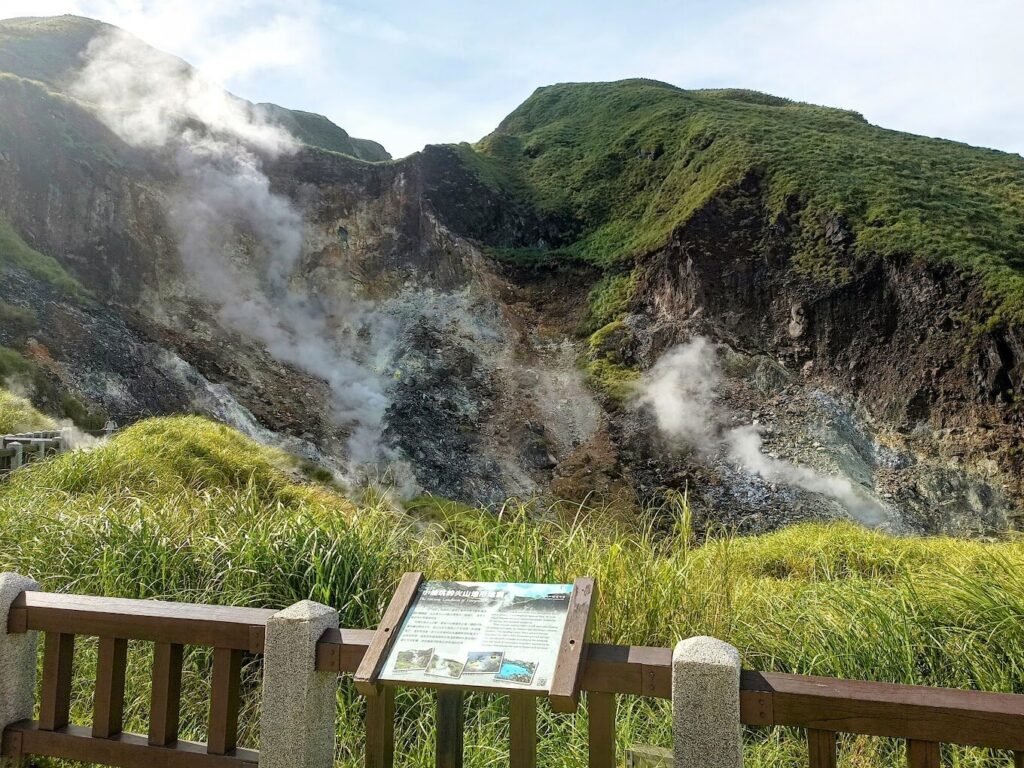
(184, 509)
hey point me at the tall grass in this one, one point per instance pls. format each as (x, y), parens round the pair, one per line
(17, 413)
(187, 510)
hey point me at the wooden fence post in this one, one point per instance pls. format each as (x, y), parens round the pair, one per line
(17, 660)
(522, 748)
(451, 722)
(297, 729)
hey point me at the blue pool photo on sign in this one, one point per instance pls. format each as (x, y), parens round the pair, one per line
(517, 671)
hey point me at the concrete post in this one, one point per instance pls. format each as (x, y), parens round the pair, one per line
(19, 455)
(17, 660)
(297, 729)
(706, 730)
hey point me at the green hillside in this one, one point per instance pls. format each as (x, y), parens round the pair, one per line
(50, 49)
(186, 509)
(16, 254)
(317, 131)
(46, 49)
(628, 162)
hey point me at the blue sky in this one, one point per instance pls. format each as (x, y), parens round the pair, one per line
(412, 73)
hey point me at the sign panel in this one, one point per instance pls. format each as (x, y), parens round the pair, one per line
(480, 635)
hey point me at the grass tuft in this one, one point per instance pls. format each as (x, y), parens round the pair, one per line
(18, 415)
(15, 253)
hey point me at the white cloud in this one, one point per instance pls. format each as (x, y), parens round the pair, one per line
(939, 68)
(224, 40)
(282, 44)
(409, 73)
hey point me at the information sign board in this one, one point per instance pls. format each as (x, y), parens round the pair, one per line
(480, 635)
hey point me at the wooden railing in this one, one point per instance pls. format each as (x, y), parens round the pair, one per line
(922, 715)
(825, 707)
(231, 632)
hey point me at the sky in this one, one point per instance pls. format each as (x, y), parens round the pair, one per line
(411, 73)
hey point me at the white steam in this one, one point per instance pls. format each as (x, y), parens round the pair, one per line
(681, 392)
(149, 98)
(76, 439)
(241, 242)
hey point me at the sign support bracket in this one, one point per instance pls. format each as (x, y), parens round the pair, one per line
(565, 683)
(386, 634)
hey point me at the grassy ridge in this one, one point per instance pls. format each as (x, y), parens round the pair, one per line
(46, 49)
(184, 509)
(16, 254)
(630, 161)
(16, 413)
(318, 131)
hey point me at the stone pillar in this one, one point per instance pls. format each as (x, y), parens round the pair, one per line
(19, 455)
(297, 729)
(17, 660)
(706, 730)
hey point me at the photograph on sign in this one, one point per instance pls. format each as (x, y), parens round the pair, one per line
(480, 635)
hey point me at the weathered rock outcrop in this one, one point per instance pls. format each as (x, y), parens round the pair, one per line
(888, 370)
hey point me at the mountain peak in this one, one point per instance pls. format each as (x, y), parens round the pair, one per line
(50, 49)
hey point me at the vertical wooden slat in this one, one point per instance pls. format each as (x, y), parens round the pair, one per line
(380, 728)
(821, 748)
(522, 751)
(601, 729)
(108, 699)
(223, 726)
(451, 721)
(165, 704)
(922, 754)
(55, 700)
(1018, 760)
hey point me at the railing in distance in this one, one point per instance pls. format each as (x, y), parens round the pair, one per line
(19, 449)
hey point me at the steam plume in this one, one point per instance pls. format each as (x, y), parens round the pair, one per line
(241, 242)
(680, 390)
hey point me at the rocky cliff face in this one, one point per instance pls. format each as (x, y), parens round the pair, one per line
(880, 380)
(444, 291)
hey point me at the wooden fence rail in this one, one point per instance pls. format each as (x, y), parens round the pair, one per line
(231, 632)
(923, 716)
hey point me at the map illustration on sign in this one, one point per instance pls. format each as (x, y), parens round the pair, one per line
(480, 635)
